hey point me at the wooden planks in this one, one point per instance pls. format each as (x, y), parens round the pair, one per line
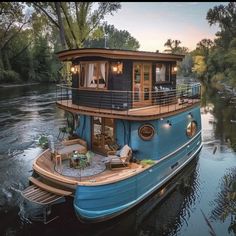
(48, 188)
(39, 196)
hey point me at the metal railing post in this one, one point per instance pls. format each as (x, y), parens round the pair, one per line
(61, 93)
(111, 102)
(56, 93)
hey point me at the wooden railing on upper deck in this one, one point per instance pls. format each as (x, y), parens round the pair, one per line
(122, 102)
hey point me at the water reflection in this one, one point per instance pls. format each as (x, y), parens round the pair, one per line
(26, 112)
(223, 111)
(224, 203)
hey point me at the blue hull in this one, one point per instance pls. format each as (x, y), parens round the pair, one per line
(102, 202)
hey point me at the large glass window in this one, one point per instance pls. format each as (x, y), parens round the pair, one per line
(163, 72)
(93, 75)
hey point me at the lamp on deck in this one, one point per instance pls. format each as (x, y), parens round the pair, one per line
(75, 69)
(174, 69)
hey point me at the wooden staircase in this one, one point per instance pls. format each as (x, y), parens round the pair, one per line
(42, 193)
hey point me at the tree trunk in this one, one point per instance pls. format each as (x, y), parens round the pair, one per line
(61, 27)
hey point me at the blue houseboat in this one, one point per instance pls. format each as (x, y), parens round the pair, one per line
(135, 129)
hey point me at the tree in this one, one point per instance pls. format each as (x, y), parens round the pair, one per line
(204, 47)
(116, 39)
(186, 65)
(12, 23)
(224, 16)
(76, 21)
(221, 56)
(199, 66)
(173, 47)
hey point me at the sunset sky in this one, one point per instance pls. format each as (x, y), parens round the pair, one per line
(152, 23)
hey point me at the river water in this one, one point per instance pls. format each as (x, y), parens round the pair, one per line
(199, 201)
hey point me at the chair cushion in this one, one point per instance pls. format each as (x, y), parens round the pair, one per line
(124, 151)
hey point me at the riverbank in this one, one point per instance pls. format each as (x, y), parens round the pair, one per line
(17, 85)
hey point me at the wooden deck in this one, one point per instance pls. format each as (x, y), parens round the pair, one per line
(45, 167)
(144, 113)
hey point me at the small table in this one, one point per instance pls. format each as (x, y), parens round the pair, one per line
(78, 161)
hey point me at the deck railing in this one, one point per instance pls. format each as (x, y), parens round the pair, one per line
(163, 99)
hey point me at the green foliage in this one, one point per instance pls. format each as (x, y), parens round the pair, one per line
(221, 59)
(147, 162)
(199, 66)
(225, 206)
(66, 130)
(76, 21)
(90, 155)
(224, 16)
(43, 141)
(9, 76)
(42, 56)
(115, 39)
(204, 47)
(173, 46)
(185, 67)
(29, 39)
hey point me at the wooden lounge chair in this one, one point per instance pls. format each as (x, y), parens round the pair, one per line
(120, 158)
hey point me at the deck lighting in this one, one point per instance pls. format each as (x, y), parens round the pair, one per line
(117, 68)
(190, 115)
(169, 123)
(72, 69)
(75, 69)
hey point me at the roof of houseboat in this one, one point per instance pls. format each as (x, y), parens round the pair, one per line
(73, 54)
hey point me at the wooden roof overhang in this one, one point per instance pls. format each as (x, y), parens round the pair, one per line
(70, 55)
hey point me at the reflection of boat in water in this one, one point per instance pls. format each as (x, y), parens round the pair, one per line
(163, 212)
(139, 138)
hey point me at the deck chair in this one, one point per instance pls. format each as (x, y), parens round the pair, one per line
(120, 158)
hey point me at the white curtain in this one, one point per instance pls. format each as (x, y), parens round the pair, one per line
(101, 81)
(89, 76)
(163, 73)
(103, 70)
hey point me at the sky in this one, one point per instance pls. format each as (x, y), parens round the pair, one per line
(152, 23)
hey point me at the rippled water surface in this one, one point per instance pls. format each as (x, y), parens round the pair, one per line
(188, 205)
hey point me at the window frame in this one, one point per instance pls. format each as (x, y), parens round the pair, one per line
(168, 75)
(85, 64)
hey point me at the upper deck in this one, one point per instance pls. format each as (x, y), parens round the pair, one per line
(124, 84)
(164, 103)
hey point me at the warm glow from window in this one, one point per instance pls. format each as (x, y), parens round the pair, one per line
(94, 75)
